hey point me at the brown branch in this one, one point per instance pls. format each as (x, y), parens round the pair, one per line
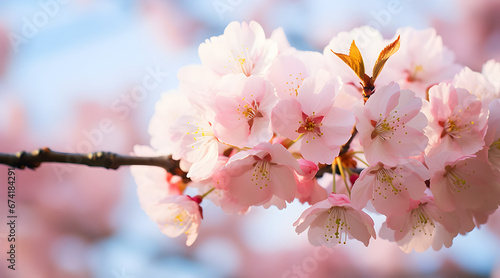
(347, 145)
(344, 149)
(108, 160)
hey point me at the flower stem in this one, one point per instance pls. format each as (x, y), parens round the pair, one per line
(334, 171)
(341, 169)
(361, 160)
(208, 192)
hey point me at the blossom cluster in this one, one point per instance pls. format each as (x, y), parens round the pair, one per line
(260, 123)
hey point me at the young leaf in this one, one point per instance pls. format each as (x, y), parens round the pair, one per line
(353, 60)
(388, 51)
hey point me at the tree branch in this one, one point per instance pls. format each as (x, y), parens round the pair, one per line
(347, 145)
(344, 149)
(108, 160)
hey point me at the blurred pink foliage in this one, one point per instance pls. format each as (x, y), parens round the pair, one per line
(475, 37)
(60, 201)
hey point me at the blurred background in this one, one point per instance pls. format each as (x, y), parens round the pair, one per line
(70, 73)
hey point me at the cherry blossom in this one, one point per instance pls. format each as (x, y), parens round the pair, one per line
(308, 189)
(312, 115)
(279, 37)
(457, 122)
(197, 144)
(391, 126)
(333, 220)
(422, 61)
(390, 188)
(423, 225)
(167, 110)
(491, 70)
(289, 70)
(219, 197)
(476, 84)
(253, 177)
(242, 49)
(493, 135)
(243, 110)
(153, 183)
(260, 123)
(468, 184)
(176, 215)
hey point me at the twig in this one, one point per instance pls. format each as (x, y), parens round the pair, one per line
(344, 149)
(347, 145)
(108, 160)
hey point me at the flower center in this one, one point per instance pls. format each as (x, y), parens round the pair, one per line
(453, 126)
(180, 219)
(413, 76)
(262, 171)
(336, 225)
(242, 64)
(386, 178)
(203, 135)
(250, 111)
(310, 124)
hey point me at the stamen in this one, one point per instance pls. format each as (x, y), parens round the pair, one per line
(387, 179)
(311, 124)
(337, 222)
(261, 173)
(387, 127)
(421, 222)
(455, 181)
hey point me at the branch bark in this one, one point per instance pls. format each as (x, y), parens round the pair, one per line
(347, 145)
(108, 160)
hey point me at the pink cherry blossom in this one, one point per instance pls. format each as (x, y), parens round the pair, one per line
(421, 61)
(391, 126)
(472, 218)
(491, 70)
(243, 110)
(390, 188)
(308, 189)
(196, 144)
(219, 197)
(242, 49)
(464, 184)
(255, 176)
(167, 110)
(153, 183)
(457, 122)
(279, 37)
(176, 215)
(333, 220)
(476, 84)
(289, 70)
(312, 115)
(423, 225)
(492, 137)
